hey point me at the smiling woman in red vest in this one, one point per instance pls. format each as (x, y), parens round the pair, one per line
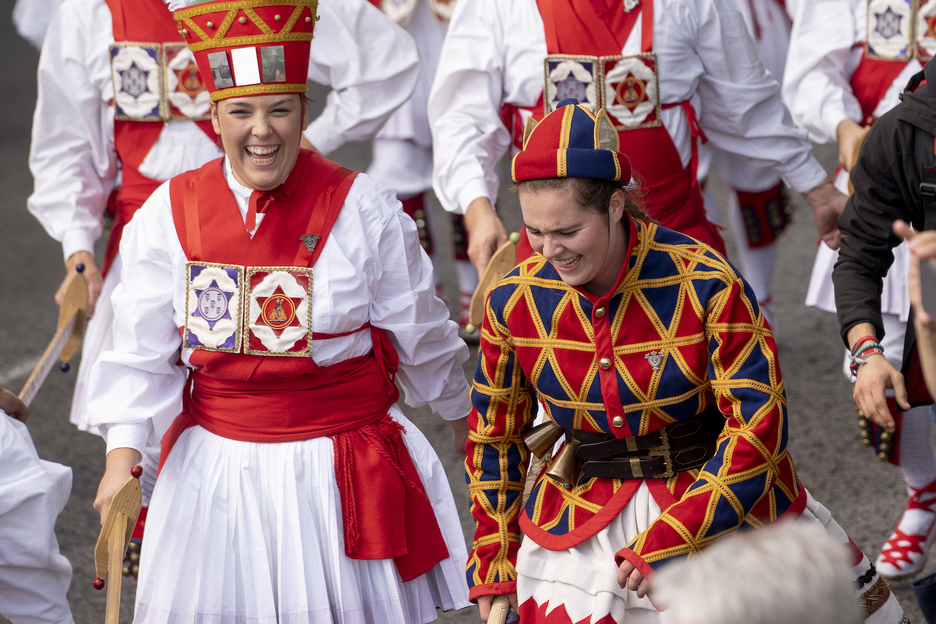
(294, 293)
(649, 354)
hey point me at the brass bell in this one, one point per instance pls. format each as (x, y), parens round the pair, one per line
(883, 456)
(886, 435)
(565, 465)
(542, 437)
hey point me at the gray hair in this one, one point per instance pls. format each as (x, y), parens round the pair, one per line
(785, 572)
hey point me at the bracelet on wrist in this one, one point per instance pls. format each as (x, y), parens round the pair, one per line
(868, 346)
(858, 361)
(861, 341)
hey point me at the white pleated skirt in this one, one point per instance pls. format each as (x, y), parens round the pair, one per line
(249, 533)
(579, 585)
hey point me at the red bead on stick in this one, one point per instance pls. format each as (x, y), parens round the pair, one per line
(98, 583)
(136, 471)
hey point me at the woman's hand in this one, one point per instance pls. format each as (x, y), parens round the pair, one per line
(827, 203)
(875, 377)
(92, 276)
(486, 233)
(629, 577)
(460, 435)
(484, 605)
(119, 463)
(11, 404)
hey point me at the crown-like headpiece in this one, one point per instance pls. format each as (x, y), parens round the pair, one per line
(249, 47)
(571, 142)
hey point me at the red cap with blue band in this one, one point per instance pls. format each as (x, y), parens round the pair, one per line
(571, 142)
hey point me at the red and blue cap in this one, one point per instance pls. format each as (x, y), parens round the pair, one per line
(571, 142)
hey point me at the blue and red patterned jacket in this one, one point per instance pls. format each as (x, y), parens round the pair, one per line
(543, 340)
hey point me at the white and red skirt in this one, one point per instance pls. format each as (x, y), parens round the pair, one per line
(252, 533)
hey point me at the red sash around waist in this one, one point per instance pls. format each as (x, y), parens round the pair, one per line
(386, 512)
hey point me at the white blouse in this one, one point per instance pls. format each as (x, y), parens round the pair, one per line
(372, 268)
(493, 54)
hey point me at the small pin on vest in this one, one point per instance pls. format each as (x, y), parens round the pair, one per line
(655, 358)
(310, 241)
(630, 5)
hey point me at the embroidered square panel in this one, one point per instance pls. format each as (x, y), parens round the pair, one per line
(214, 305)
(279, 311)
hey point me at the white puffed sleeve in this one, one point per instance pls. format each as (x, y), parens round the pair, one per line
(32, 18)
(493, 53)
(370, 63)
(821, 60)
(135, 391)
(72, 154)
(405, 305)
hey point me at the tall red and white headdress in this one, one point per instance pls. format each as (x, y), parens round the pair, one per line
(249, 47)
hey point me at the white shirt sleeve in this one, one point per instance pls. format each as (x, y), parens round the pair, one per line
(72, 154)
(405, 305)
(741, 110)
(493, 53)
(32, 18)
(135, 390)
(370, 63)
(821, 60)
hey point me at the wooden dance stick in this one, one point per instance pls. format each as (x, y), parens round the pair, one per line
(501, 263)
(68, 335)
(500, 607)
(114, 538)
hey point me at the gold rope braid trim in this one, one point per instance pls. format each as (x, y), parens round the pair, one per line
(295, 18)
(222, 29)
(260, 23)
(235, 42)
(259, 89)
(237, 5)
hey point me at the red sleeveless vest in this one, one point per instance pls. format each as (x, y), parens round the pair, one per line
(255, 398)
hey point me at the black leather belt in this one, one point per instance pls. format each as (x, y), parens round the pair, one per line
(677, 447)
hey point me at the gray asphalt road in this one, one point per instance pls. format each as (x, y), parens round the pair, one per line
(865, 495)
